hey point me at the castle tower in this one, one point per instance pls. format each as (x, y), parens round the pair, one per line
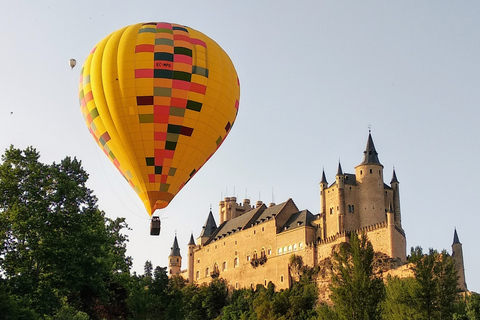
(340, 181)
(229, 208)
(174, 259)
(457, 254)
(207, 230)
(323, 205)
(396, 199)
(369, 176)
(191, 258)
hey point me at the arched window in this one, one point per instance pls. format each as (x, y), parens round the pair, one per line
(294, 247)
(255, 254)
(224, 266)
(197, 275)
(262, 253)
(235, 262)
(269, 251)
(207, 272)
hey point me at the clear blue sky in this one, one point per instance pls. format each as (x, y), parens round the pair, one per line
(314, 75)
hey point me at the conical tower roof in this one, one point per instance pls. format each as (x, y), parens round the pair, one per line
(339, 170)
(370, 155)
(394, 177)
(209, 227)
(455, 238)
(324, 179)
(175, 252)
(192, 241)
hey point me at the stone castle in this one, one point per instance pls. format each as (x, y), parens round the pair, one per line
(253, 244)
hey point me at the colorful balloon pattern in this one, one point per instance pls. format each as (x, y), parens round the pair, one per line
(159, 99)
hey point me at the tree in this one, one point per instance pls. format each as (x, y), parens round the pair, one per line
(356, 291)
(436, 275)
(400, 302)
(55, 244)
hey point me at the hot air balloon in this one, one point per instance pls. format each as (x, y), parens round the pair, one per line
(159, 99)
(72, 63)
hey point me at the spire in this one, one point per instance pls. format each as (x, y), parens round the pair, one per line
(192, 241)
(175, 252)
(370, 155)
(394, 177)
(455, 238)
(324, 179)
(339, 170)
(209, 227)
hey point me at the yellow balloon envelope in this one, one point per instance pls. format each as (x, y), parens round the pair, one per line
(159, 99)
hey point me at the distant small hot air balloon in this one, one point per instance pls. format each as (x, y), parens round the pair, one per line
(73, 63)
(159, 99)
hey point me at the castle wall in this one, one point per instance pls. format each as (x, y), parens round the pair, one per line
(235, 254)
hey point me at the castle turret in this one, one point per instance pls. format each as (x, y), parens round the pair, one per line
(340, 181)
(191, 258)
(207, 230)
(369, 175)
(457, 254)
(396, 199)
(174, 259)
(323, 205)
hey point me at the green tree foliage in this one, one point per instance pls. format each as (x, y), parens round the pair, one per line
(356, 290)
(436, 275)
(431, 294)
(56, 246)
(400, 302)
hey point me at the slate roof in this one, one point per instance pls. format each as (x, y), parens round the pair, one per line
(233, 225)
(299, 219)
(209, 227)
(370, 155)
(175, 252)
(455, 237)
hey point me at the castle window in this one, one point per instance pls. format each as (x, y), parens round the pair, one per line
(289, 248)
(235, 262)
(263, 229)
(300, 245)
(235, 252)
(254, 231)
(361, 171)
(236, 285)
(235, 242)
(224, 266)
(207, 272)
(198, 261)
(265, 282)
(281, 278)
(197, 275)
(269, 251)
(370, 170)
(248, 258)
(284, 249)
(262, 253)
(331, 210)
(279, 251)
(255, 255)
(294, 247)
